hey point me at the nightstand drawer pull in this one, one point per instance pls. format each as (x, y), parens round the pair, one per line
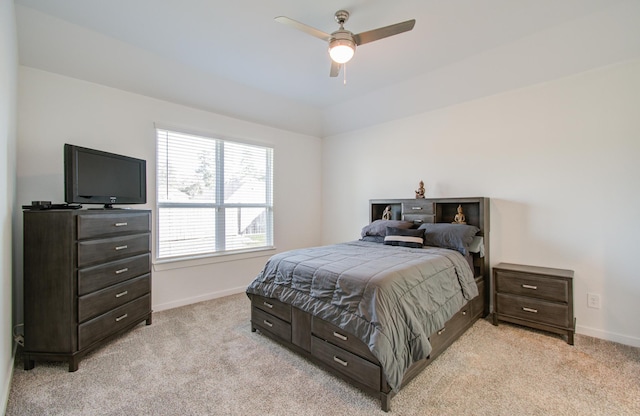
(121, 247)
(441, 331)
(120, 318)
(121, 294)
(339, 361)
(529, 310)
(416, 208)
(267, 323)
(337, 335)
(268, 305)
(121, 224)
(530, 287)
(122, 270)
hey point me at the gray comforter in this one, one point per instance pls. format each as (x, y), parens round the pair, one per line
(392, 298)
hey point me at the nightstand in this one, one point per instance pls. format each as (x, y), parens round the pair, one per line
(537, 297)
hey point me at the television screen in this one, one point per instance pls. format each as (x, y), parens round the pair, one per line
(96, 177)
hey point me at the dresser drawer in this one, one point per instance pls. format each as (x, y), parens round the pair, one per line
(272, 306)
(94, 278)
(532, 285)
(440, 339)
(105, 325)
(346, 363)
(530, 309)
(104, 300)
(271, 324)
(341, 338)
(418, 211)
(93, 251)
(101, 225)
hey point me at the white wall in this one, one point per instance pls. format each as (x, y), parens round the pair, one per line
(8, 78)
(53, 110)
(559, 161)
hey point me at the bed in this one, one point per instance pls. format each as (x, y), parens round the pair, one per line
(378, 310)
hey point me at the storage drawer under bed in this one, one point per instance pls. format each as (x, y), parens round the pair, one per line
(272, 306)
(337, 336)
(269, 323)
(349, 364)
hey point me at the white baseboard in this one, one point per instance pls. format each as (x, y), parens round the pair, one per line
(196, 299)
(6, 388)
(608, 336)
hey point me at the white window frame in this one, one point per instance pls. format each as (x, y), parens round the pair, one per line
(219, 205)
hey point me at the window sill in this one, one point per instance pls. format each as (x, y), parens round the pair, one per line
(193, 261)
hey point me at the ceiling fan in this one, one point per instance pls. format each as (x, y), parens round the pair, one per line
(342, 43)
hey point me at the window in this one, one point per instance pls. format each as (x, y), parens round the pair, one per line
(214, 195)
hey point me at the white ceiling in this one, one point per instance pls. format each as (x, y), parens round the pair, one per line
(232, 58)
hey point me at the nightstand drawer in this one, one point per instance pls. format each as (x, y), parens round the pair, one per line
(530, 285)
(533, 310)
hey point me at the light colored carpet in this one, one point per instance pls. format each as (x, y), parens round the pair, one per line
(202, 359)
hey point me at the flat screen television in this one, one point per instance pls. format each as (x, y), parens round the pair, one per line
(96, 177)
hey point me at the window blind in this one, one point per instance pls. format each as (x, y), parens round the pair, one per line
(214, 195)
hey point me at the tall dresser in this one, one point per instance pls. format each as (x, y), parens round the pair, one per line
(87, 279)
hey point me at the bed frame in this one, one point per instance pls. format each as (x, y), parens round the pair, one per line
(344, 355)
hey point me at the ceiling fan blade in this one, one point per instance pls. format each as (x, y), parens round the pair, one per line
(304, 28)
(383, 32)
(335, 69)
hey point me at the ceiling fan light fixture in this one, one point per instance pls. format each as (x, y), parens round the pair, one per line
(341, 47)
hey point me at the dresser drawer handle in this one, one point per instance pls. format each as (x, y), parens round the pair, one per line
(529, 310)
(121, 224)
(121, 294)
(340, 336)
(268, 305)
(120, 318)
(530, 287)
(416, 208)
(121, 248)
(464, 313)
(441, 331)
(122, 270)
(267, 323)
(339, 361)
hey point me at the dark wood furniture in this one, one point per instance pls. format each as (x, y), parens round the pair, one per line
(343, 354)
(537, 297)
(87, 279)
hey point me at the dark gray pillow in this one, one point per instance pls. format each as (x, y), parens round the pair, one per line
(452, 236)
(404, 237)
(379, 227)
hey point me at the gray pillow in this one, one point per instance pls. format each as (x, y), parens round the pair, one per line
(452, 236)
(379, 227)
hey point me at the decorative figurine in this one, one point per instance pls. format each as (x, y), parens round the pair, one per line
(386, 214)
(459, 218)
(420, 191)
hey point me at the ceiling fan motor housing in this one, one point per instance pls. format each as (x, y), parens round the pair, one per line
(340, 39)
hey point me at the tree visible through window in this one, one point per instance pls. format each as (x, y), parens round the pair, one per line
(214, 195)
